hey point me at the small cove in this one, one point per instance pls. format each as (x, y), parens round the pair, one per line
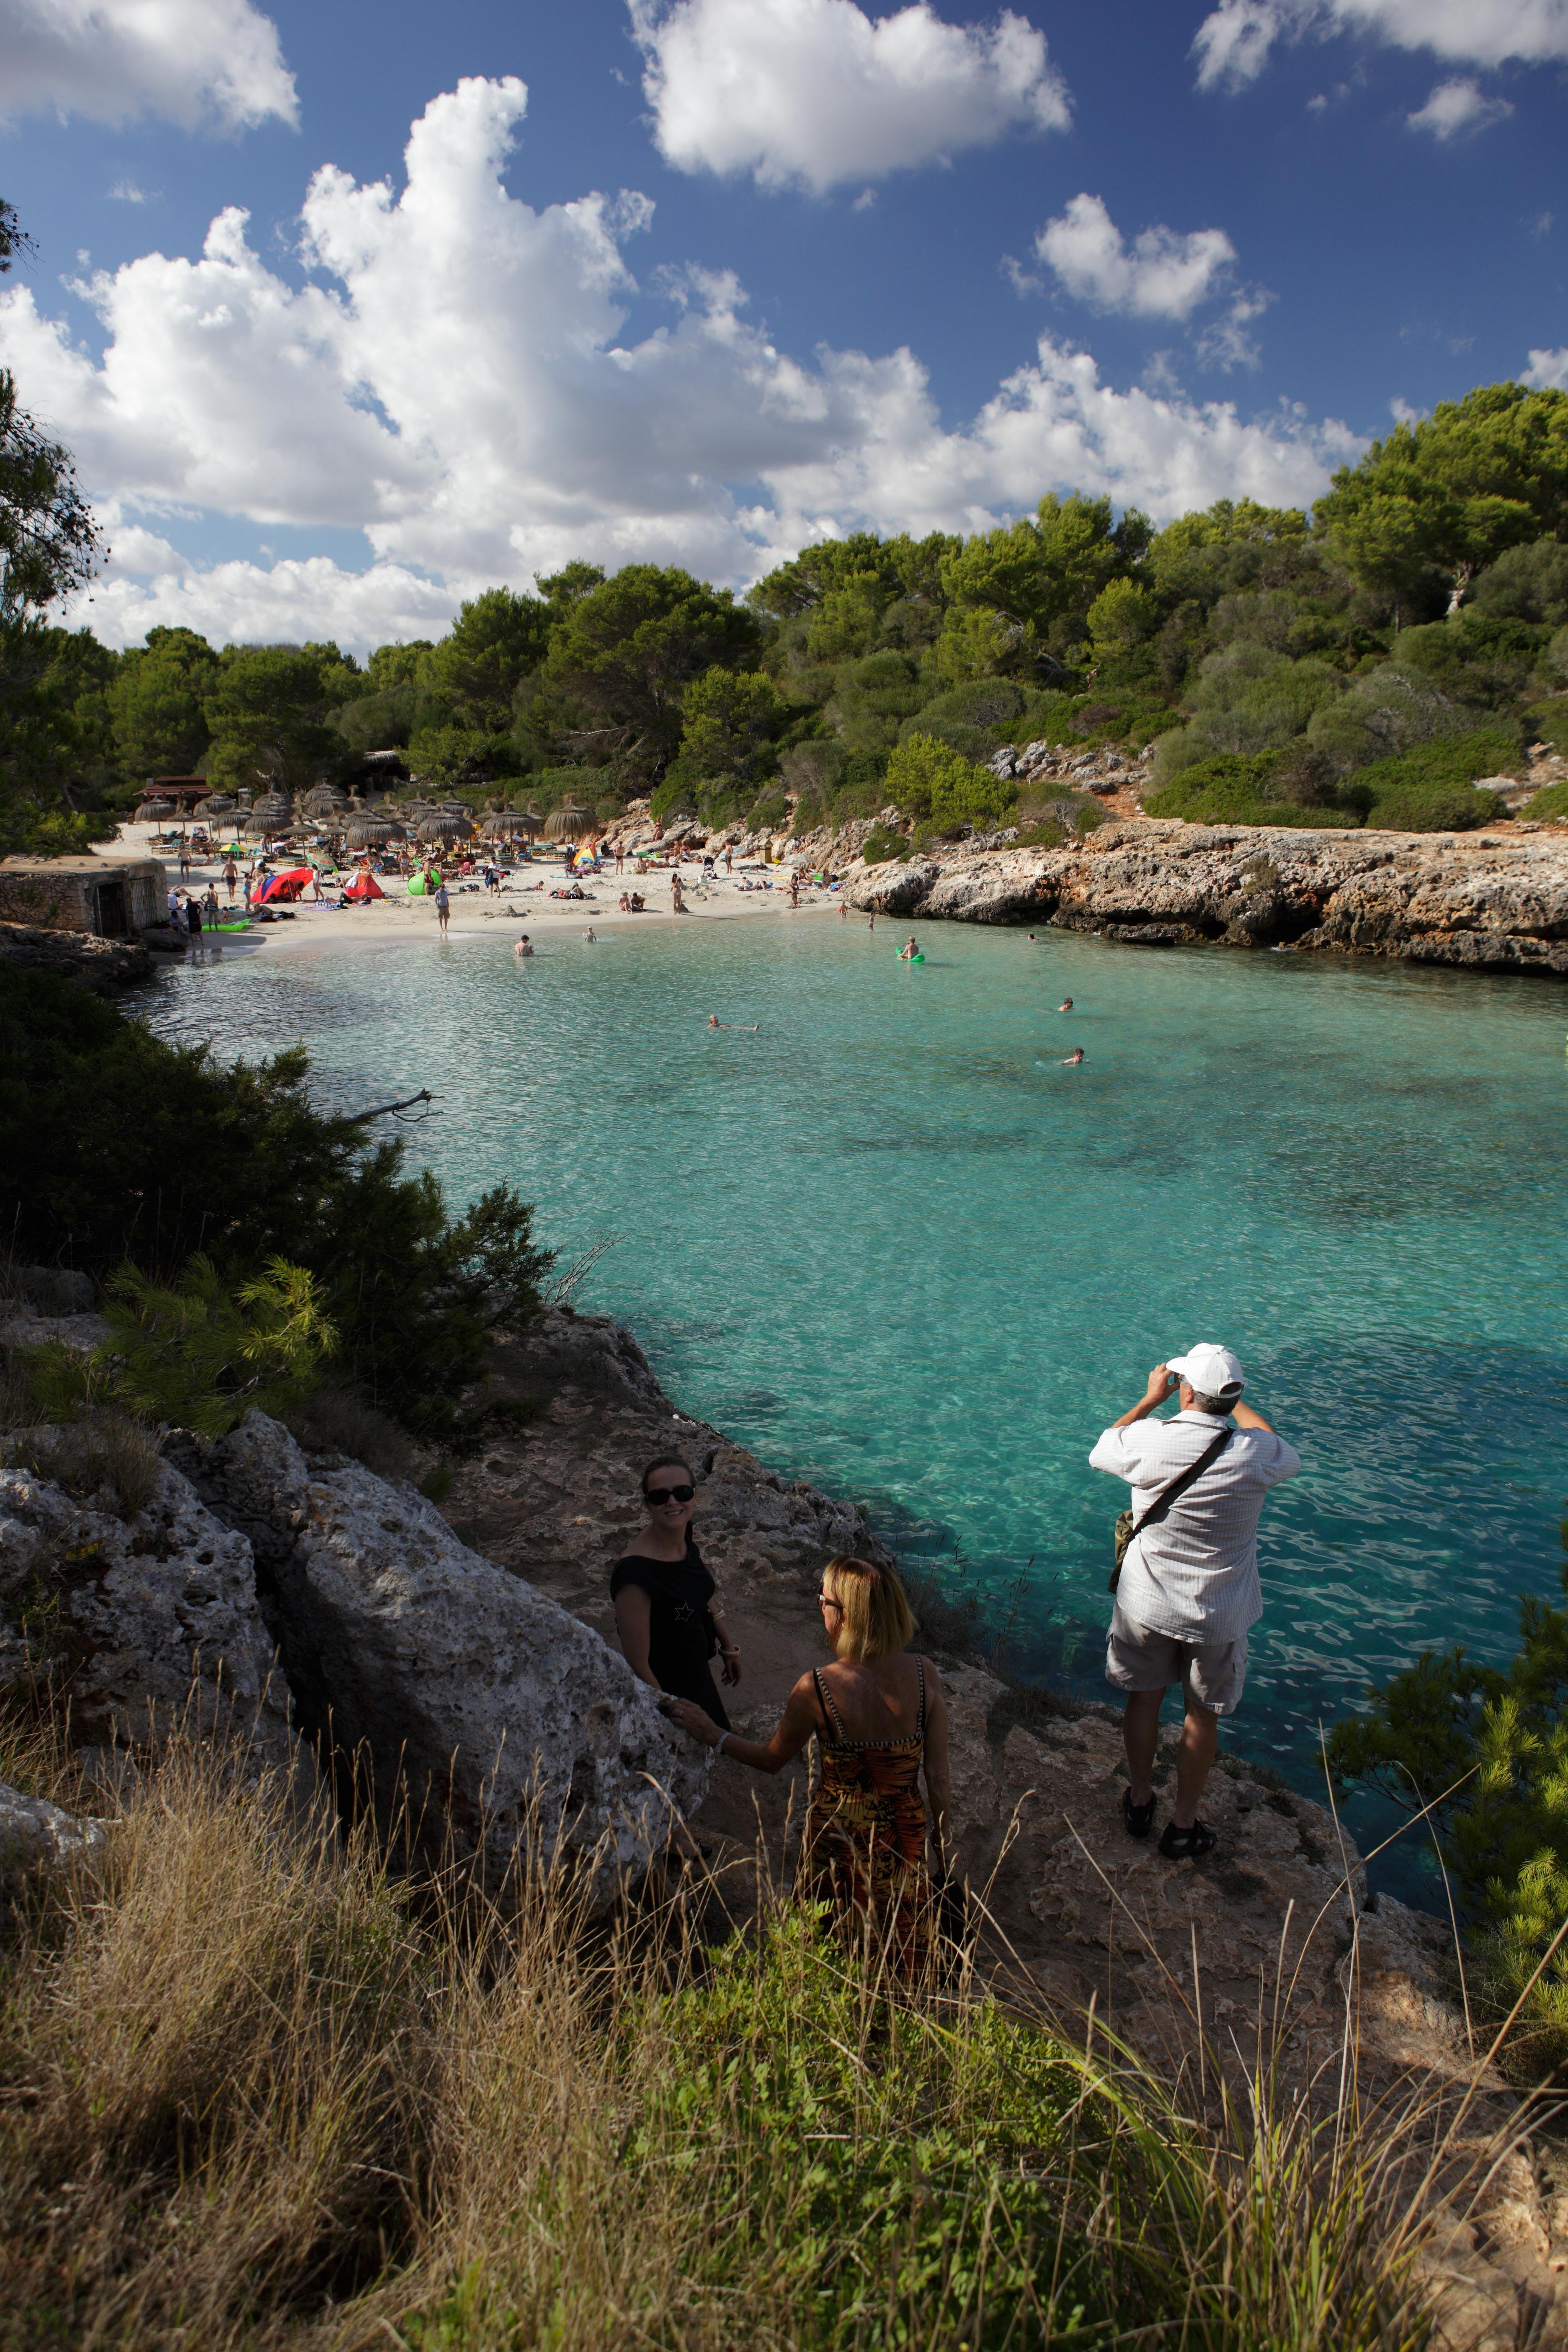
(889, 1243)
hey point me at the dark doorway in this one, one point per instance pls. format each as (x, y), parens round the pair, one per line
(109, 909)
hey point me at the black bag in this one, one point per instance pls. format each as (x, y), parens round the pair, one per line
(1126, 1528)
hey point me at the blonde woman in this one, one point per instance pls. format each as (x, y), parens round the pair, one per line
(879, 1718)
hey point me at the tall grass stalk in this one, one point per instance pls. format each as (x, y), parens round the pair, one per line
(257, 2091)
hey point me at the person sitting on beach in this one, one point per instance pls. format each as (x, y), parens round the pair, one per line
(667, 1611)
(879, 1718)
(638, 903)
(626, 903)
(524, 946)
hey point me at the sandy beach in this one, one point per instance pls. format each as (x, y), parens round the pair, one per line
(524, 904)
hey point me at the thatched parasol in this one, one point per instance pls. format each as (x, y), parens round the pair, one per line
(153, 811)
(501, 821)
(567, 822)
(371, 832)
(444, 826)
(325, 800)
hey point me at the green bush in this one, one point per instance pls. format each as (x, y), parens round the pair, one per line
(878, 847)
(123, 1147)
(1551, 802)
(1232, 791)
(938, 787)
(1487, 1752)
(1453, 760)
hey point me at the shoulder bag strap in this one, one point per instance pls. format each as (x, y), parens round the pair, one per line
(1178, 1486)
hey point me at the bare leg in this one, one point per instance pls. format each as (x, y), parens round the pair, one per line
(1139, 1732)
(1196, 1752)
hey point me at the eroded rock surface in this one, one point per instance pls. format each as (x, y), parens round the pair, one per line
(489, 1703)
(1473, 901)
(138, 1621)
(34, 1835)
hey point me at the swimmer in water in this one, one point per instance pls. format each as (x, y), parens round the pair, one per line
(523, 948)
(908, 949)
(1071, 1061)
(590, 936)
(1065, 1004)
(743, 1028)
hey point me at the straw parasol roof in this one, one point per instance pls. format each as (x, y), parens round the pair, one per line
(444, 826)
(216, 804)
(371, 832)
(325, 800)
(567, 822)
(504, 820)
(150, 812)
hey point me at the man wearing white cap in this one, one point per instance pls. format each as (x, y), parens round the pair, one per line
(1188, 1588)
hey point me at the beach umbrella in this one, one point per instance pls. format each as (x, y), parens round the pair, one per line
(325, 801)
(152, 812)
(216, 804)
(371, 832)
(567, 822)
(444, 826)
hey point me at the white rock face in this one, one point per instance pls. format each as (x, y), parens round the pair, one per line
(137, 1622)
(485, 1697)
(35, 1833)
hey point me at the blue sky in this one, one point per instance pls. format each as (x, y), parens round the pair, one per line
(889, 268)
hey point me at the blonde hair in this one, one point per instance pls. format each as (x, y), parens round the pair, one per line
(875, 1618)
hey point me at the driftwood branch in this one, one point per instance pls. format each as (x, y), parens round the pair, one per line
(358, 1118)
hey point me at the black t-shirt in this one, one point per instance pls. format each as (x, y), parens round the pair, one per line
(682, 1635)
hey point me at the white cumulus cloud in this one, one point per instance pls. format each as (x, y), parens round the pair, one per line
(1457, 106)
(1235, 39)
(813, 92)
(196, 62)
(1547, 371)
(1161, 274)
(456, 383)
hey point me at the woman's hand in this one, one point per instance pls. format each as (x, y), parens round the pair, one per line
(730, 1669)
(690, 1718)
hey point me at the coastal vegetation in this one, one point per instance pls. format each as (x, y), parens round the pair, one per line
(1366, 662)
(262, 2087)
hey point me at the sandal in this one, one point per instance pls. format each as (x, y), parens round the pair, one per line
(1186, 1845)
(1136, 1820)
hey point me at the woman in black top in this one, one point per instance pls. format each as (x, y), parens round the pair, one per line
(667, 1613)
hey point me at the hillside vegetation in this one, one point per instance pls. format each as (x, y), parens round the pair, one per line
(1366, 662)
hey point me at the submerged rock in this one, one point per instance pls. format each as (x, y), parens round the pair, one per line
(477, 1700)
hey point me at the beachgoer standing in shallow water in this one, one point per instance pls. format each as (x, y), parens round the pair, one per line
(443, 909)
(524, 946)
(879, 1718)
(667, 1612)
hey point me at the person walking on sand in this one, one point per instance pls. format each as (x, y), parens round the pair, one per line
(1187, 1584)
(675, 892)
(873, 1845)
(231, 877)
(729, 858)
(443, 909)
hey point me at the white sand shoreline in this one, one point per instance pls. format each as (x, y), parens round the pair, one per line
(398, 921)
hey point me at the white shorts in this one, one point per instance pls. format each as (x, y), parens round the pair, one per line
(1214, 1673)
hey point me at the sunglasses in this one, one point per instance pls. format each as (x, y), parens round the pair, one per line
(828, 1601)
(656, 1494)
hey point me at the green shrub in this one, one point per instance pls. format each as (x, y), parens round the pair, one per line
(1232, 791)
(1487, 1751)
(878, 847)
(1452, 760)
(1551, 801)
(123, 1147)
(1438, 809)
(938, 787)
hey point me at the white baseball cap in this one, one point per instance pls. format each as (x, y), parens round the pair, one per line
(1212, 1372)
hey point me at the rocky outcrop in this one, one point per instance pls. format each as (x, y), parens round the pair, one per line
(136, 1621)
(1470, 900)
(34, 1835)
(477, 1700)
(102, 965)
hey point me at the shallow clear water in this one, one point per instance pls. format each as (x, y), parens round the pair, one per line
(893, 1247)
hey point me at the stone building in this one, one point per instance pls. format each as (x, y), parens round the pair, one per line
(83, 894)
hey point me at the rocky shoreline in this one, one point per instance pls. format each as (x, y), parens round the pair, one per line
(1480, 901)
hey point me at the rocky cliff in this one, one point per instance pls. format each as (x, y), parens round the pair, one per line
(1481, 900)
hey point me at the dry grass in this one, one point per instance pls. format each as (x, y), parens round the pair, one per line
(255, 2093)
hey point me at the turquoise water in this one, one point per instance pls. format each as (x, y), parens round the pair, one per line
(891, 1246)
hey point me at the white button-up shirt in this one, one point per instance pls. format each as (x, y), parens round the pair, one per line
(1195, 1574)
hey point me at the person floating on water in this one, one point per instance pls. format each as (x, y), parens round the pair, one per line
(1071, 1061)
(747, 1028)
(909, 951)
(1065, 1004)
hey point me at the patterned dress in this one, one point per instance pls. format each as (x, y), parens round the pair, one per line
(865, 1844)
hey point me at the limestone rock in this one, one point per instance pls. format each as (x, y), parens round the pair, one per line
(137, 1622)
(486, 1699)
(33, 1833)
(1478, 901)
